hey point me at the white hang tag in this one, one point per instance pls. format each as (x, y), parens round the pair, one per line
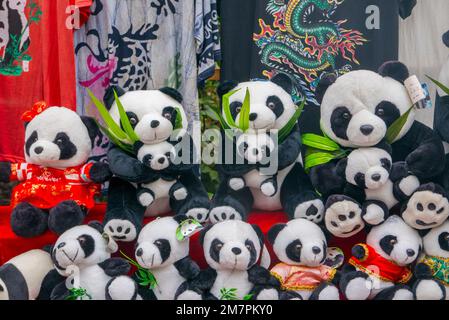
(415, 90)
(187, 228)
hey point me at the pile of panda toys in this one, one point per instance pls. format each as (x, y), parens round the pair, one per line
(394, 193)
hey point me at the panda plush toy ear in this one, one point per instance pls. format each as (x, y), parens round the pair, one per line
(340, 168)
(179, 218)
(325, 82)
(265, 259)
(384, 146)
(274, 231)
(203, 233)
(96, 225)
(225, 87)
(394, 69)
(109, 97)
(283, 81)
(92, 128)
(173, 93)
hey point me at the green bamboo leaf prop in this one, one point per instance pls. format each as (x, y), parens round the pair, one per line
(396, 127)
(125, 120)
(145, 277)
(76, 293)
(440, 85)
(228, 294)
(285, 131)
(128, 148)
(244, 113)
(227, 109)
(319, 142)
(317, 158)
(178, 121)
(213, 114)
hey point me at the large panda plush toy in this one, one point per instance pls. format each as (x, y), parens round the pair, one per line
(380, 268)
(356, 111)
(151, 114)
(160, 251)
(271, 107)
(57, 185)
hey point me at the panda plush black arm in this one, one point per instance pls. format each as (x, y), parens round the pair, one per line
(422, 271)
(60, 292)
(261, 276)
(290, 149)
(127, 167)
(423, 151)
(187, 268)
(115, 266)
(51, 280)
(5, 171)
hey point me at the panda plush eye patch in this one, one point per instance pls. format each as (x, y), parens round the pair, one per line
(133, 119)
(31, 139)
(62, 140)
(443, 241)
(169, 113)
(235, 108)
(293, 250)
(164, 248)
(340, 119)
(275, 104)
(388, 112)
(387, 243)
(87, 243)
(214, 250)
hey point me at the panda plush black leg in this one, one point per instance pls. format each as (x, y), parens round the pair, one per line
(429, 289)
(178, 191)
(66, 215)
(228, 204)
(397, 292)
(269, 187)
(28, 221)
(355, 285)
(124, 214)
(325, 291)
(145, 196)
(51, 280)
(298, 198)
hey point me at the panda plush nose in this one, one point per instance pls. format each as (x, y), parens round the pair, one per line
(316, 250)
(38, 150)
(366, 129)
(410, 252)
(161, 160)
(154, 123)
(236, 251)
(252, 116)
(376, 177)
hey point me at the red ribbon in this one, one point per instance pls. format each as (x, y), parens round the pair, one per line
(37, 108)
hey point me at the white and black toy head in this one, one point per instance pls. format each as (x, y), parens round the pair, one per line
(156, 156)
(58, 137)
(151, 113)
(358, 107)
(396, 241)
(271, 105)
(256, 148)
(343, 217)
(436, 241)
(299, 242)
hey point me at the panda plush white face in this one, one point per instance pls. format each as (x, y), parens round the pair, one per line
(58, 138)
(156, 156)
(256, 148)
(299, 242)
(232, 245)
(368, 168)
(436, 242)
(271, 107)
(151, 113)
(157, 245)
(80, 245)
(358, 108)
(395, 240)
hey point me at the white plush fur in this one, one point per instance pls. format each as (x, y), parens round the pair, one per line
(222, 213)
(348, 227)
(4, 32)
(47, 125)
(167, 276)
(429, 217)
(368, 162)
(34, 265)
(361, 91)
(125, 225)
(122, 288)
(148, 106)
(300, 211)
(162, 151)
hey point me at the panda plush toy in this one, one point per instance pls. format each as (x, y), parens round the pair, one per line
(374, 186)
(165, 184)
(57, 186)
(356, 111)
(232, 250)
(301, 246)
(380, 268)
(83, 255)
(271, 107)
(167, 258)
(28, 276)
(152, 115)
(431, 270)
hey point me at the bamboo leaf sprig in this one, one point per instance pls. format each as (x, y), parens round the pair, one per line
(145, 277)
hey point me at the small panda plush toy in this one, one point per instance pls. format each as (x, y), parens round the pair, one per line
(288, 187)
(375, 185)
(358, 107)
(232, 249)
(152, 114)
(160, 251)
(57, 186)
(380, 268)
(158, 158)
(256, 149)
(28, 276)
(83, 255)
(301, 246)
(432, 269)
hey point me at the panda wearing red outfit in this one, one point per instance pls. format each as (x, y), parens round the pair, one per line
(56, 184)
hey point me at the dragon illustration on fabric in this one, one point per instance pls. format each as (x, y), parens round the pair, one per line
(304, 41)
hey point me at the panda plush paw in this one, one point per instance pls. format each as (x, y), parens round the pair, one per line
(236, 184)
(408, 185)
(268, 294)
(312, 210)
(429, 289)
(325, 291)
(145, 197)
(64, 216)
(121, 288)
(99, 172)
(121, 230)
(396, 292)
(356, 285)
(374, 214)
(269, 187)
(343, 216)
(180, 194)
(28, 221)
(189, 295)
(199, 214)
(224, 213)
(427, 208)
